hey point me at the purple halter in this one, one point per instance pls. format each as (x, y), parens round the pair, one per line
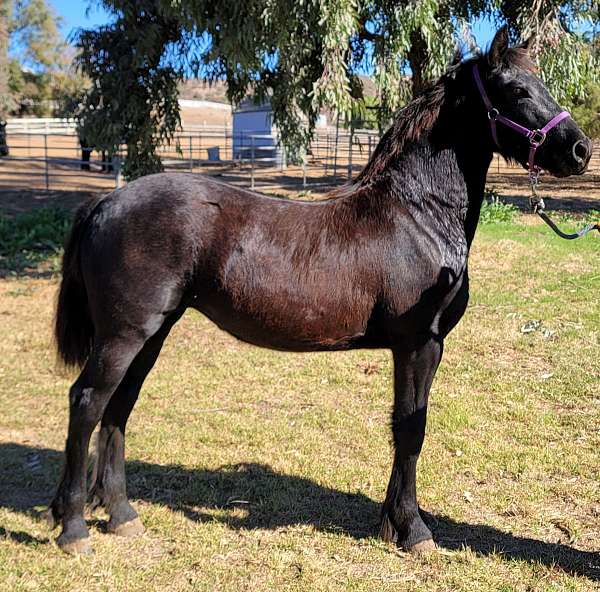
(535, 137)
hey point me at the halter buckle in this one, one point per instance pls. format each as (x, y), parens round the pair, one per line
(537, 137)
(493, 114)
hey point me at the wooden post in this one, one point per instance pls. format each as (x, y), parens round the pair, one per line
(350, 152)
(335, 154)
(191, 155)
(283, 158)
(118, 174)
(252, 162)
(46, 161)
(304, 172)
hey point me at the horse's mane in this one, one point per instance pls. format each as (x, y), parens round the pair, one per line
(418, 117)
(409, 125)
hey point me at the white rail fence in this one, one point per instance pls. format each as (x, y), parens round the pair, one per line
(41, 125)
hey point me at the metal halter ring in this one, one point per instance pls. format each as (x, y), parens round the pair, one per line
(537, 137)
(493, 114)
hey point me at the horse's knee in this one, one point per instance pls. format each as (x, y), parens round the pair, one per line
(78, 396)
(87, 405)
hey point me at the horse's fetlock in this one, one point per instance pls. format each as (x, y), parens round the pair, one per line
(387, 530)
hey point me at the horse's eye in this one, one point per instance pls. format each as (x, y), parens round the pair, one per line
(520, 92)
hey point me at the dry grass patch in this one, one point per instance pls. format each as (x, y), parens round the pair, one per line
(259, 470)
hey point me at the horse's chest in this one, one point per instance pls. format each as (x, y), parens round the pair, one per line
(427, 308)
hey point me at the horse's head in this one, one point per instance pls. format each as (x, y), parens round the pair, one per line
(516, 95)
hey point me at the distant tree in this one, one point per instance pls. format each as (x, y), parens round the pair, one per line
(587, 111)
(5, 13)
(34, 58)
(35, 62)
(35, 36)
(301, 56)
(6, 103)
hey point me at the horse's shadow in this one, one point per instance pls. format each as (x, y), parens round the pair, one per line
(269, 500)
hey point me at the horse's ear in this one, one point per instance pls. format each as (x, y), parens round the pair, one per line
(527, 44)
(498, 47)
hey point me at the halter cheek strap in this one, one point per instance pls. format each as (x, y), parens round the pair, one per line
(536, 137)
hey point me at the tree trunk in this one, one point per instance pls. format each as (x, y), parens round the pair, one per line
(4, 95)
(417, 58)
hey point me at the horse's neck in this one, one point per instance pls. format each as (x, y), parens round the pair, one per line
(445, 183)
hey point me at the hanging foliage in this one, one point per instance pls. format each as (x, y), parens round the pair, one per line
(301, 55)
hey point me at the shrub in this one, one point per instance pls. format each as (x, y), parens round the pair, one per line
(494, 210)
(31, 237)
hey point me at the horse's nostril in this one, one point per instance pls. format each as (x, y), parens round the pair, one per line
(580, 151)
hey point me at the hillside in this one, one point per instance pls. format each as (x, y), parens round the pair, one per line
(201, 90)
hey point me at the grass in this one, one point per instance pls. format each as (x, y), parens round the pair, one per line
(30, 238)
(264, 471)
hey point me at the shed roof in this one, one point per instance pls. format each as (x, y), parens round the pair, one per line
(248, 105)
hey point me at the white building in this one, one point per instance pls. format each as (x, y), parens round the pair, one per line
(254, 132)
(254, 135)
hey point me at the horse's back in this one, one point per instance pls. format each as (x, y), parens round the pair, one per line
(169, 239)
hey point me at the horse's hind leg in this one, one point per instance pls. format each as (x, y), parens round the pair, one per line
(108, 480)
(108, 362)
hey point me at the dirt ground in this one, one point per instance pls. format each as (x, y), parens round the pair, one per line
(203, 116)
(17, 201)
(574, 194)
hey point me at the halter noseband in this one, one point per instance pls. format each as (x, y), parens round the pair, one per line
(536, 137)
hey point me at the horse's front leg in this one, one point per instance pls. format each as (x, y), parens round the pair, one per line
(413, 375)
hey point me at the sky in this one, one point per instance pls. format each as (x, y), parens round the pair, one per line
(79, 13)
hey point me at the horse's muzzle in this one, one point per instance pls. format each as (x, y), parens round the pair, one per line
(582, 153)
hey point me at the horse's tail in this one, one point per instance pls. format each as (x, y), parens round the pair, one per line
(73, 328)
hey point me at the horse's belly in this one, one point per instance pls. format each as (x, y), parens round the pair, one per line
(291, 325)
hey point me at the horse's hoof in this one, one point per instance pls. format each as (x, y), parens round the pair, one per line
(130, 528)
(422, 548)
(75, 547)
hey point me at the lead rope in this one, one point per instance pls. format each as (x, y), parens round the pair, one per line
(536, 138)
(538, 206)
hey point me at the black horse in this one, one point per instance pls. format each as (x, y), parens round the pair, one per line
(86, 155)
(382, 263)
(4, 151)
